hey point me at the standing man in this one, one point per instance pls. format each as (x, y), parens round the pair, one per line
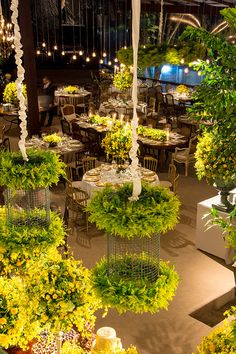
(48, 91)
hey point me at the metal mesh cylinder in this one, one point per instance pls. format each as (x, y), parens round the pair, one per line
(138, 258)
(28, 207)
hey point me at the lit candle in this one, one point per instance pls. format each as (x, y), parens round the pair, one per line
(114, 115)
(168, 134)
(121, 117)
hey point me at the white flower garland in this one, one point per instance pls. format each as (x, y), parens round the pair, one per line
(20, 79)
(137, 187)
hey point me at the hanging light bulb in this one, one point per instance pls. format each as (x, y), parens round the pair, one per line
(143, 46)
(116, 60)
(63, 52)
(208, 61)
(199, 73)
(74, 57)
(186, 70)
(55, 47)
(101, 61)
(37, 51)
(104, 54)
(87, 59)
(43, 44)
(94, 54)
(13, 47)
(109, 62)
(81, 52)
(49, 54)
(125, 47)
(182, 61)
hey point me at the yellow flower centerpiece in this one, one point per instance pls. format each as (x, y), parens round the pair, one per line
(52, 139)
(10, 93)
(117, 143)
(71, 89)
(123, 80)
(182, 89)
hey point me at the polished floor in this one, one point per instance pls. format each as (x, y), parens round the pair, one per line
(204, 279)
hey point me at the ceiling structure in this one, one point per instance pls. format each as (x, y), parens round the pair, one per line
(188, 6)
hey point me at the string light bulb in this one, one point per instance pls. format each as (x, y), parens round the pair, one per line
(199, 73)
(94, 54)
(80, 52)
(116, 60)
(186, 70)
(182, 61)
(43, 44)
(104, 54)
(37, 51)
(125, 47)
(87, 59)
(109, 62)
(55, 47)
(49, 54)
(74, 57)
(63, 52)
(101, 61)
(208, 61)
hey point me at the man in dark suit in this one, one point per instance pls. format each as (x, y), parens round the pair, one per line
(48, 91)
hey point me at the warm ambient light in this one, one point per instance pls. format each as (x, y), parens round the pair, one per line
(49, 54)
(94, 54)
(81, 52)
(125, 47)
(55, 47)
(182, 61)
(101, 61)
(109, 62)
(63, 52)
(37, 51)
(186, 70)
(74, 57)
(104, 54)
(43, 44)
(116, 60)
(87, 59)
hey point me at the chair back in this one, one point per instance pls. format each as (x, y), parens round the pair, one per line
(65, 127)
(5, 145)
(175, 184)
(160, 97)
(193, 144)
(169, 99)
(2, 132)
(171, 173)
(67, 109)
(150, 163)
(93, 135)
(142, 150)
(88, 163)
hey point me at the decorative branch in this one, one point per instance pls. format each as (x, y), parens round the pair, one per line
(20, 79)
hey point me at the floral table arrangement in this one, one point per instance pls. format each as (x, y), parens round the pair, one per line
(98, 120)
(10, 93)
(155, 134)
(182, 89)
(123, 80)
(71, 89)
(52, 139)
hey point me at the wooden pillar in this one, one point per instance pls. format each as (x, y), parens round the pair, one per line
(26, 28)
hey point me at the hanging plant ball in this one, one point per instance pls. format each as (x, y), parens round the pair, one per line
(156, 211)
(138, 296)
(123, 80)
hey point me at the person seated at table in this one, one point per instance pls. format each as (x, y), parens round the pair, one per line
(48, 90)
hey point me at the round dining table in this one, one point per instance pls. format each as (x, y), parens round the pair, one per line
(109, 174)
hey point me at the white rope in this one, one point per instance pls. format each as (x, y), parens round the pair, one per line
(137, 187)
(20, 79)
(161, 23)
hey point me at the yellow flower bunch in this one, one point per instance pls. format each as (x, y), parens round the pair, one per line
(117, 143)
(216, 158)
(182, 89)
(123, 80)
(96, 119)
(63, 294)
(10, 93)
(52, 138)
(220, 341)
(72, 89)
(16, 328)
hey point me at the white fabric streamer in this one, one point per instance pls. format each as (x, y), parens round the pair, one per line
(137, 187)
(20, 79)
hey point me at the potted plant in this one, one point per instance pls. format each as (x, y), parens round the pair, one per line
(133, 277)
(216, 160)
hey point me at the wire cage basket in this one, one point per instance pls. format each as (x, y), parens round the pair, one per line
(133, 259)
(28, 207)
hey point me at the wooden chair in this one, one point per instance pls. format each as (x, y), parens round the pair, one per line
(171, 183)
(68, 112)
(75, 166)
(5, 145)
(185, 155)
(76, 203)
(150, 163)
(88, 163)
(2, 133)
(65, 127)
(93, 141)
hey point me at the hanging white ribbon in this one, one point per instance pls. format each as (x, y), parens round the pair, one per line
(20, 79)
(137, 187)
